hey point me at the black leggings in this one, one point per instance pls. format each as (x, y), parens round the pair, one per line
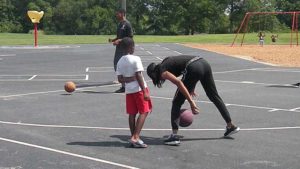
(198, 70)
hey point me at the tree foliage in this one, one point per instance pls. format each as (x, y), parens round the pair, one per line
(157, 17)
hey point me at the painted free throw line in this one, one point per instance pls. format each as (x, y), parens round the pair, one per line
(145, 129)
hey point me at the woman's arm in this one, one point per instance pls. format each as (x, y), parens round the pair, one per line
(169, 76)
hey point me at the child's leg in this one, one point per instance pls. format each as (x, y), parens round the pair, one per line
(139, 125)
(131, 120)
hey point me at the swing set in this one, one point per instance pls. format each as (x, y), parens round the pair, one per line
(244, 25)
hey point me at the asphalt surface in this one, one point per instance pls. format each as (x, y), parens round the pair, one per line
(42, 126)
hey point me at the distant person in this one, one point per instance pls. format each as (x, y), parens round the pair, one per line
(124, 29)
(129, 71)
(274, 38)
(261, 38)
(192, 69)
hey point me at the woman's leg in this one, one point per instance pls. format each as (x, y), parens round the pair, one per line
(209, 86)
(178, 101)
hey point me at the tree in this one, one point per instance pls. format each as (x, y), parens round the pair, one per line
(8, 21)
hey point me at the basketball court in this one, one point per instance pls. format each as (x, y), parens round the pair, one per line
(42, 126)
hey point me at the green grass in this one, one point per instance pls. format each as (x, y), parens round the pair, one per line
(7, 39)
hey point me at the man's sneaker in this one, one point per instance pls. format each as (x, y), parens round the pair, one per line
(230, 131)
(121, 90)
(172, 140)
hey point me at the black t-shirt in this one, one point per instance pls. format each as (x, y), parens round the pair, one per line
(175, 64)
(124, 29)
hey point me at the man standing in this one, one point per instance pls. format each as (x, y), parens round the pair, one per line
(124, 29)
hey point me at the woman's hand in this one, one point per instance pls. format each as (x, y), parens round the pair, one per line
(194, 108)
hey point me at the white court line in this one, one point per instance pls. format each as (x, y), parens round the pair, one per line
(238, 70)
(158, 97)
(7, 55)
(28, 94)
(144, 129)
(32, 77)
(236, 105)
(149, 52)
(272, 110)
(281, 70)
(177, 52)
(51, 77)
(254, 83)
(158, 58)
(67, 153)
(48, 92)
(260, 69)
(99, 69)
(172, 50)
(298, 108)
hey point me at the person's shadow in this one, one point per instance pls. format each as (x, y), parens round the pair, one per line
(124, 141)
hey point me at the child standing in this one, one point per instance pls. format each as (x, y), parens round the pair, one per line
(261, 38)
(129, 71)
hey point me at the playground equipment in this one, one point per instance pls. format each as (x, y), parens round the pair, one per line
(35, 18)
(244, 25)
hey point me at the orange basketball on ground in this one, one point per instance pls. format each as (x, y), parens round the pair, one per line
(70, 87)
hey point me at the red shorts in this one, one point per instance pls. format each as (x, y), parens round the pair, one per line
(135, 103)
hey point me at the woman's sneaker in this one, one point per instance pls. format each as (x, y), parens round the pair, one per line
(230, 131)
(172, 140)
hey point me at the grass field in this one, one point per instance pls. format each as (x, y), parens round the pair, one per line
(28, 39)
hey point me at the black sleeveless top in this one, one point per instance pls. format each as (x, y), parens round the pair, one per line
(175, 64)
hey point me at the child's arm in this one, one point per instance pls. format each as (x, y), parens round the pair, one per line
(139, 78)
(123, 79)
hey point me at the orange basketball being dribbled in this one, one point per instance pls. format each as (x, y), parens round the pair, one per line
(186, 118)
(70, 87)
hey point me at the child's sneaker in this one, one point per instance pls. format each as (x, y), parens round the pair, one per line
(231, 130)
(172, 140)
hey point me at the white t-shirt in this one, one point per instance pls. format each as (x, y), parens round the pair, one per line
(127, 66)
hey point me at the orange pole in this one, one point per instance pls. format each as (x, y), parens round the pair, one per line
(245, 29)
(239, 29)
(293, 27)
(297, 29)
(35, 34)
